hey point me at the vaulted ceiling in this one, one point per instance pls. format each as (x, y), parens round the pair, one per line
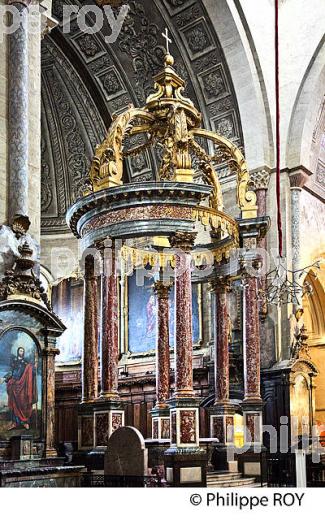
(86, 80)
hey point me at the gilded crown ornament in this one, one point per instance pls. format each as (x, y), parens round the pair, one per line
(170, 121)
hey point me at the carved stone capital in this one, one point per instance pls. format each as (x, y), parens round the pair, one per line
(260, 179)
(298, 178)
(184, 241)
(162, 289)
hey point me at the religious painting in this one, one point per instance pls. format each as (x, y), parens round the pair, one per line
(142, 315)
(20, 384)
(67, 301)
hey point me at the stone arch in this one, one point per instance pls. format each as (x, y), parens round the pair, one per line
(305, 111)
(314, 306)
(242, 59)
(314, 319)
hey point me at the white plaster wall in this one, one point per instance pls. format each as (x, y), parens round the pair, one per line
(60, 254)
(312, 228)
(301, 28)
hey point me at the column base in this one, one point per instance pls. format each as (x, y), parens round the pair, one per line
(222, 422)
(97, 421)
(184, 422)
(160, 423)
(222, 429)
(253, 422)
(186, 468)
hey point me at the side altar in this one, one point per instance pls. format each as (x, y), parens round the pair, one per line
(28, 333)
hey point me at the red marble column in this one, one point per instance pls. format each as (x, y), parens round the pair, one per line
(183, 315)
(90, 349)
(163, 350)
(109, 323)
(221, 370)
(48, 394)
(252, 342)
(252, 404)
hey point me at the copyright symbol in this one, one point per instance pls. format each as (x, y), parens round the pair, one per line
(196, 500)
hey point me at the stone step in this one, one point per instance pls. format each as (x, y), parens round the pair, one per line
(223, 475)
(240, 482)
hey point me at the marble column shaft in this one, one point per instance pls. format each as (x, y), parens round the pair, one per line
(90, 349)
(221, 370)
(183, 325)
(109, 332)
(48, 396)
(18, 114)
(163, 350)
(252, 342)
(261, 179)
(297, 180)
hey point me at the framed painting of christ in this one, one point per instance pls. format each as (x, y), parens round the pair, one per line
(20, 384)
(141, 316)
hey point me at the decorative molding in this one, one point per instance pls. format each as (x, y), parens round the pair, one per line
(72, 127)
(197, 38)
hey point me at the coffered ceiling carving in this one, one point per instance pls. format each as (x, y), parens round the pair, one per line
(86, 80)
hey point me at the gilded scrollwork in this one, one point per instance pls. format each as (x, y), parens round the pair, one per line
(171, 121)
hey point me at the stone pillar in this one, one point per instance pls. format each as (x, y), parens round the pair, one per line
(185, 462)
(18, 113)
(90, 348)
(222, 412)
(160, 413)
(109, 322)
(48, 393)
(261, 179)
(108, 410)
(297, 180)
(252, 404)
(183, 315)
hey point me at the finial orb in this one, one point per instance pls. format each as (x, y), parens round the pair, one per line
(169, 60)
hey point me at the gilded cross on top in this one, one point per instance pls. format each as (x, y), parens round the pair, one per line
(168, 40)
